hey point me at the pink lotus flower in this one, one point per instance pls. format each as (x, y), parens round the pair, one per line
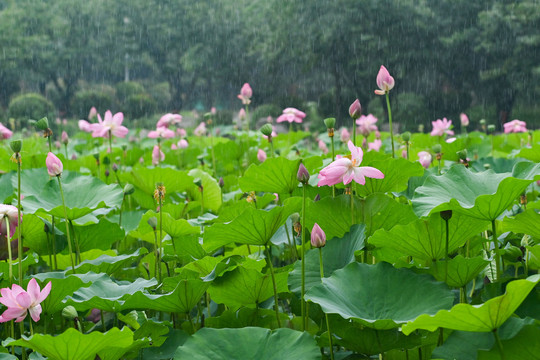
(291, 115)
(464, 119)
(169, 119)
(8, 212)
(54, 165)
(174, 147)
(200, 130)
(355, 109)
(181, 132)
(213, 110)
(385, 82)
(93, 113)
(112, 124)
(157, 155)
(261, 155)
(161, 132)
(425, 158)
(366, 124)
(318, 237)
(375, 145)
(515, 126)
(323, 147)
(345, 135)
(245, 94)
(20, 302)
(5, 133)
(182, 144)
(346, 170)
(85, 126)
(441, 127)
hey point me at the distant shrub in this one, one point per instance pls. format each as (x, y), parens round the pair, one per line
(126, 89)
(478, 112)
(139, 105)
(410, 111)
(101, 99)
(30, 106)
(265, 110)
(161, 93)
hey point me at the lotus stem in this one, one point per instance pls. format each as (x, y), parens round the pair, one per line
(10, 255)
(333, 158)
(67, 225)
(497, 252)
(19, 219)
(303, 237)
(276, 304)
(390, 122)
(325, 314)
(499, 344)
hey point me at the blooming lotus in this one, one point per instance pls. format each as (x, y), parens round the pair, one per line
(182, 144)
(20, 302)
(161, 132)
(515, 126)
(5, 133)
(385, 82)
(425, 158)
(54, 165)
(169, 119)
(245, 94)
(291, 115)
(200, 130)
(157, 155)
(8, 212)
(110, 124)
(441, 127)
(366, 124)
(345, 169)
(375, 145)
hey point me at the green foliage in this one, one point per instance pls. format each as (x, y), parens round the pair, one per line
(139, 105)
(125, 89)
(30, 106)
(265, 110)
(84, 100)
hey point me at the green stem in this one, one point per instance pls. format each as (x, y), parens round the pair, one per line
(390, 122)
(497, 253)
(407, 149)
(271, 146)
(19, 221)
(446, 251)
(156, 254)
(110, 142)
(499, 344)
(354, 132)
(333, 158)
(213, 154)
(160, 237)
(121, 208)
(54, 243)
(352, 205)
(67, 225)
(76, 241)
(276, 304)
(303, 236)
(326, 315)
(10, 255)
(65, 148)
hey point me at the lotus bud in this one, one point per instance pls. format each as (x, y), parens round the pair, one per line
(152, 222)
(65, 138)
(54, 165)
(261, 155)
(462, 154)
(437, 148)
(106, 160)
(355, 110)
(446, 215)
(491, 128)
(115, 167)
(107, 173)
(266, 130)
(464, 119)
(317, 198)
(221, 183)
(16, 146)
(129, 189)
(302, 175)
(70, 313)
(318, 237)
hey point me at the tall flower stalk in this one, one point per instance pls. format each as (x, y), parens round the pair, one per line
(330, 123)
(16, 147)
(303, 177)
(385, 82)
(55, 169)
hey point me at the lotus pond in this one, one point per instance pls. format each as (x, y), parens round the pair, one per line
(211, 243)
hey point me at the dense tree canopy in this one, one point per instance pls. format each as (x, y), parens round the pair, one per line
(447, 56)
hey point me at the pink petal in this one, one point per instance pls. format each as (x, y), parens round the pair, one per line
(348, 177)
(118, 118)
(370, 172)
(45, 292)
(33, 290)
(13, 313)
(120, 131)
(35, 312)
(24, 300)
(379, 92)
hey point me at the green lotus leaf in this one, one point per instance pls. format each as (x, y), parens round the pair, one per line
(533, 258)
(83, 195)
(6, 190)
(97, 236)
(243, 317)
(377, 211)
(29, 260)
(461, 270)
(530, 153)
(426, 238)
(396, 176)
(337, 253)
(106, 294)
(253, 227)
(35, 238)
(108, 264)
(486, 317)
(482, 195)
(275, 175)
(249, 343)
(181, 300)
(242, 287)
(162, 350)
(528, 222)
(211, 190)
(73, 345)
(373, 299)
(525, 345)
